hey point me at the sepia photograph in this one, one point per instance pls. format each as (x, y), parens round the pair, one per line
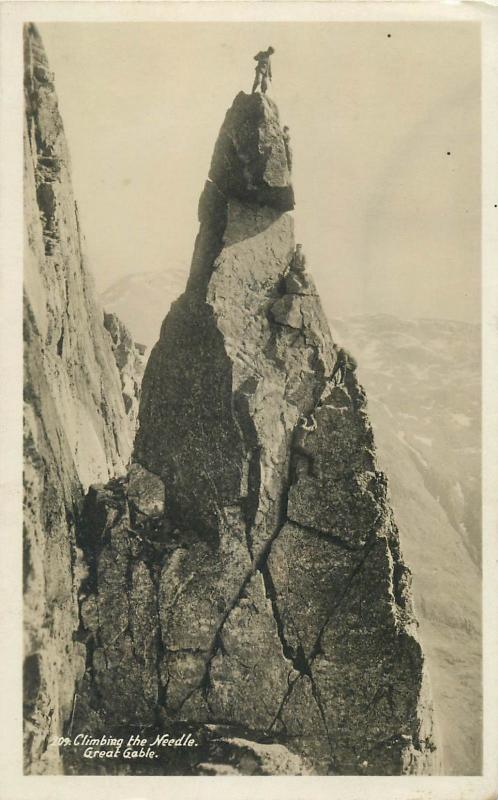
(252, 367)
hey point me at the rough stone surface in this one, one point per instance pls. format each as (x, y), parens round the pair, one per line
(250, 656)
(249, 159)
(119, 613)
(130, 363)
(243, 757)
(75, 426)
(145, 492)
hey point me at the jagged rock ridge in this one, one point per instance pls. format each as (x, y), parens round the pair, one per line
(129, 358)
(76, 430)
(269, 593)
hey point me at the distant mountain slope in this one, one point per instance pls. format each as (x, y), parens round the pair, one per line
(142, 300)
(425, 375)
(423, 387)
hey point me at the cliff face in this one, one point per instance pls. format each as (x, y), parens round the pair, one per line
(246, 575)
(76, 428)
(130, 363)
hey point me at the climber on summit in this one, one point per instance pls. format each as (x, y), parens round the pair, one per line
(288, 150)
(263, 70)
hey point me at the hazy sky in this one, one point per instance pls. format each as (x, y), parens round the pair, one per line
(390, 222)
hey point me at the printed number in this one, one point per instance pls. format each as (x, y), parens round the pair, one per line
(60, 741)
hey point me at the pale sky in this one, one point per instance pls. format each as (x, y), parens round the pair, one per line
(390, 223)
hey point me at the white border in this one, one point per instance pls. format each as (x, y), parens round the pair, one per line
(15, 786)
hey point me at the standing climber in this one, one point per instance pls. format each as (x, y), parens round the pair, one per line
(263, 69)
(288, 150)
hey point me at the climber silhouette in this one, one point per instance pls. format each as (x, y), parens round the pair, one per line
(263, 70)
(344, 363)
(299, 259)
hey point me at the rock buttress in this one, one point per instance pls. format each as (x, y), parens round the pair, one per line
(286, 607)
(76, 430)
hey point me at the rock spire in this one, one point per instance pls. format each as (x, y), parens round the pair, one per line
(285, 606)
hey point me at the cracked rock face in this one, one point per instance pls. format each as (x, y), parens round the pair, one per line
(284, 605)
(76, 430)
